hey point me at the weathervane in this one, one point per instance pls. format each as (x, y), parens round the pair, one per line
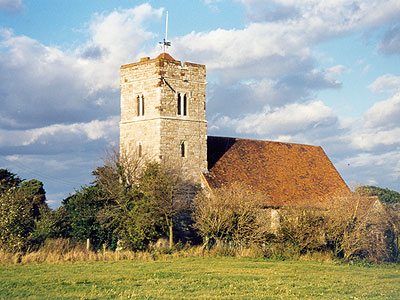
(165, 43)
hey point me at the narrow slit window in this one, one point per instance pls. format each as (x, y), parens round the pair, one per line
(184, 105)
(140, 105)
(183, 150)
(179, 104)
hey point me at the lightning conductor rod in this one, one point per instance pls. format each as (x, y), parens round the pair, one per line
(165, 43)
(166, 27)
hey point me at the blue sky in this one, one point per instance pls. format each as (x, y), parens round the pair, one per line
(305, 71)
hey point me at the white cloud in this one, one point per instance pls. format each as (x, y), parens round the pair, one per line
(374, 139)
(390, 43)
(220, 49)
(291, 118)
(386, 83)
(93, 130)
(350, 13)
(381, 169)
(63, 106)
(314, 22)
(335, 71)
(252, 95)
(369, 146)
(42, 85)
(116, 38)
(13, 6)
(384, 114)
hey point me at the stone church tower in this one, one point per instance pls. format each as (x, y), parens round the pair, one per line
(163, 116)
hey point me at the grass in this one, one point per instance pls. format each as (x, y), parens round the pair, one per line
(199, 278)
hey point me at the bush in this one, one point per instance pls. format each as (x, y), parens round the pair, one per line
(228, 214)
(356, 230)
(302, 229)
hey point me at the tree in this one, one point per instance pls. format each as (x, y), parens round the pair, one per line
(142, 199)
(8, 180)
(16, 221)
(21, 204)
(32, 189)
(81, 214)
(165, 190)
(385, 195)
(35, 193)
(125, 208)
(52, 224)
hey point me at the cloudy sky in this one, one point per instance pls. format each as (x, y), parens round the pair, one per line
(305, 71)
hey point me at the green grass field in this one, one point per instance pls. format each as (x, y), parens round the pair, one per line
(200, 278)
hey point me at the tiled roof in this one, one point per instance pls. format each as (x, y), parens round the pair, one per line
(145, 60)
(166, 56)
(289, 174)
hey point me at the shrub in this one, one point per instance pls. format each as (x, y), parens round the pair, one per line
(302, 228)
(228, 214)
(359, 227)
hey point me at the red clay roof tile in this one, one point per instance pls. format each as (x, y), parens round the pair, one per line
(290, 174)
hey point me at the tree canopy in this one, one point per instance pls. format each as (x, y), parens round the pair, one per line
(385, 195)
(8, 180)
(21, 205)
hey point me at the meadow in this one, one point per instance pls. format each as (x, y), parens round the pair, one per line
(200, 278)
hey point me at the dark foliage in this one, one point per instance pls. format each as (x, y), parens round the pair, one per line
(81, 216)
(21, 205)
(8, 180)
(35, 193)
(385, 195)
(16, 221)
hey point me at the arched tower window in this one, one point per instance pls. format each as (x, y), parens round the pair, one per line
(183, 150)
(140, 105)
(182, 104)
(179, 104)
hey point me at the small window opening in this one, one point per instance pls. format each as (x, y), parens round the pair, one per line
(140, 105)
(179, 105)
(183, 150)
(142, 102)
(184, 105)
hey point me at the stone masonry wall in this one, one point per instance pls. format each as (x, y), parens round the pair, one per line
(194, 135)
(161, 131)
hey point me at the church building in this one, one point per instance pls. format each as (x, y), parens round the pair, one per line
(163, 117)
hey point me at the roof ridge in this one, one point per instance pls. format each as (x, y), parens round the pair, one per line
(259, 140)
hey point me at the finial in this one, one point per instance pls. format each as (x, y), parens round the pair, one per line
(165, 43)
